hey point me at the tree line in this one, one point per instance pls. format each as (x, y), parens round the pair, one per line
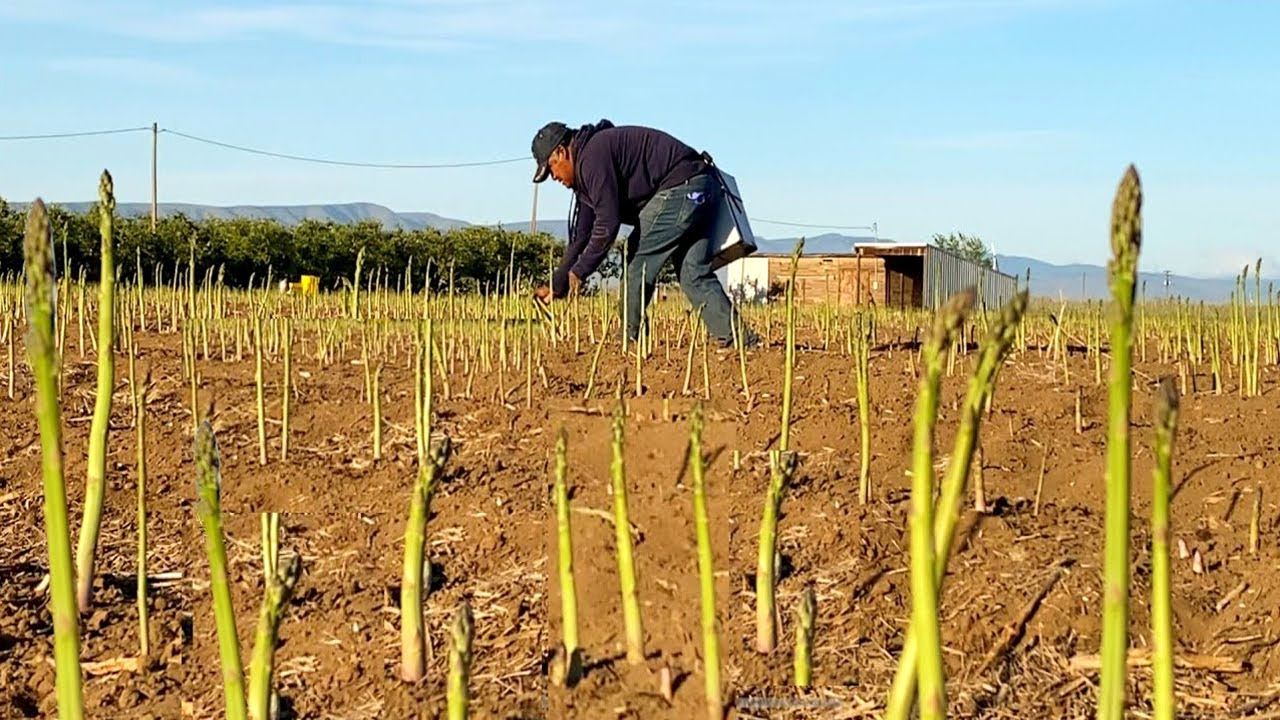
(244, 248)
(969, 247)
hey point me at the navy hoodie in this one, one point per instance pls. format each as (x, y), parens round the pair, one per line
(617, 169)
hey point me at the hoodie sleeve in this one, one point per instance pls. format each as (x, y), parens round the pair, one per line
(579, 235)
(601, 186)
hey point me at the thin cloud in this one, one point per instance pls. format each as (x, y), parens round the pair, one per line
(394, 25)
(123, 69)
(753, 26)
(936, 8)
(36, 10)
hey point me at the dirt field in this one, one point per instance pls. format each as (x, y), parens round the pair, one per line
(492, 539)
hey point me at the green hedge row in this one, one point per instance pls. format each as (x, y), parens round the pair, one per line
(245, 248)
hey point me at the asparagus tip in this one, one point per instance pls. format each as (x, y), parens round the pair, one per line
(1126, 218)
(463, 624)
(1166, 402)
(38, 254)
(208, 461)
(951, 315)
(106, 192)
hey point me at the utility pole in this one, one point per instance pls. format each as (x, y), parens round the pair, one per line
(1083, 279)
(155, 141)
(533, 221)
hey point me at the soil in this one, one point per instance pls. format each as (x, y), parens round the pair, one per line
(492, 538)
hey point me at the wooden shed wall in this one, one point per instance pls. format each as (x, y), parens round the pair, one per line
(833, 279)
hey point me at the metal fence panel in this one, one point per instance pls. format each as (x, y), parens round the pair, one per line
(946, 273)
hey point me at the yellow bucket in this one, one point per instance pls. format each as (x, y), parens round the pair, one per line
(310, 285)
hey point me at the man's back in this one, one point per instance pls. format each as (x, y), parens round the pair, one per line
(643, 160)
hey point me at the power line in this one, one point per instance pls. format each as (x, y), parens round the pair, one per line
(350, 163)
(346, 163)
(52, 136)
(813, 225)
(482, 163)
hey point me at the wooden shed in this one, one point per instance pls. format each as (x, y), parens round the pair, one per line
(885, 274)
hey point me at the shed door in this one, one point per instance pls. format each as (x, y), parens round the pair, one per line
(896, 289)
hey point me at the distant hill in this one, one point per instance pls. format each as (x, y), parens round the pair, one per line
(286, 214)
(557, 228)
(815, 245)
(1078, 281)
(358, 212)
(1072, 282)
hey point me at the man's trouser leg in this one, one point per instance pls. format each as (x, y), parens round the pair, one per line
(697, 278)
(704, 290)
(674, 226)
(663, 224)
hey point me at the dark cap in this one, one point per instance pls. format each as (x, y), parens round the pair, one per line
(551, 136)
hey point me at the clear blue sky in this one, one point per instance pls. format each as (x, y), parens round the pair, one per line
(1009, 119)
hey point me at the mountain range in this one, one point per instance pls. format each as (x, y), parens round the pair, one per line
(1070, 282)
(286, 214)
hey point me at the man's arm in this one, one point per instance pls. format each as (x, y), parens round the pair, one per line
(579, 235)
(602, 188)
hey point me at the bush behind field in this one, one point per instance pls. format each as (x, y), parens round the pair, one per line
(246, 247)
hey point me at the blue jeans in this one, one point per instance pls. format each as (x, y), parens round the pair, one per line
(675, 226)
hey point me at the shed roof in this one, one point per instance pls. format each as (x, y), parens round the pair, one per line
(871, 247)
(805, 256)
(911, 245)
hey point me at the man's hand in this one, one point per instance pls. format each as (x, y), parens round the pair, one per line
(574, 283)
(543, 294)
